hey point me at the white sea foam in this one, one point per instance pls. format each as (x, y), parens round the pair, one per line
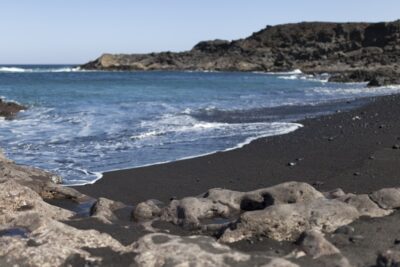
(12, 69)
(358, 91)
(276, 128)
(296, 71)
(39, 70)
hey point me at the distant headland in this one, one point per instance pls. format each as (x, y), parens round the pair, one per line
(350, 52)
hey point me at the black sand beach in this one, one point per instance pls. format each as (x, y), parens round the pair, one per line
(355, 150)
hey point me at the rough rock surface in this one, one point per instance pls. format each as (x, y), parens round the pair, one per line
(168, 250)
(46, 242)
(227, 203)
(147, 210)
(364, 205)
(16, 199)
(9, 109)
(104, 209)
(387, 198)
(46, 184)
(193, 231)
(354, 52)
(314, 244)
(288, 221)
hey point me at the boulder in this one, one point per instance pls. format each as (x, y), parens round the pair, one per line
(104, 209)
(288, 221)
(387, 198)
(225, 203)
(147, 210)
(190, 210)
(9, 109)
(314, 244)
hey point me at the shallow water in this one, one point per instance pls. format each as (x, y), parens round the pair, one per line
(81, 123)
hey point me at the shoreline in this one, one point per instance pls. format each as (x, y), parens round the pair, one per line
(247, 141)
(253, 166)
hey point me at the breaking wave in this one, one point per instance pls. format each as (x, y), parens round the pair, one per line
(38, 70)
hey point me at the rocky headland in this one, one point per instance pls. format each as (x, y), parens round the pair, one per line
(349, 52)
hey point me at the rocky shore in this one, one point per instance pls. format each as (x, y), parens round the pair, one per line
(293, 224)
(350, 52)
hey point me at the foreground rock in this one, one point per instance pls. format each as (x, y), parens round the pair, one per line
(226, 203)
(37, 241)
(289, 221)
(9, 109)
(46, 184)
(193, 231)
(352, 52)
(168, 250)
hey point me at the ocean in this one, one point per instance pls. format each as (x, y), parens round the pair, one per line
(80, 124)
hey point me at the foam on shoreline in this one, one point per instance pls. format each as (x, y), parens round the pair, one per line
(293, 127)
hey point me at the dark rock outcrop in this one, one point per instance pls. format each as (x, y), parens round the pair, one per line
(352, 52)
(9, 109)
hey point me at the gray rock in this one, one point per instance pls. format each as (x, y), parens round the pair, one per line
(51, 243)
(104, 210)
(336, 193)
(364, 205)
(42, 182)
(189, 211)
(314, 244)
(158, 249)
(227, 203)
(387, 198)
(16, 199)
(288, 221)
(147, 210)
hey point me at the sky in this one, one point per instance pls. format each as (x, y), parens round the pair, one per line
(76, 31)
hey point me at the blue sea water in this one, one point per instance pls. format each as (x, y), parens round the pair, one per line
(82, 123)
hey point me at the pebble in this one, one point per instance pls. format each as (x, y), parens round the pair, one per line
(357, 174)
(371, 157)
(291, 164)
(396, 146)
(396, 241)
(356, 238)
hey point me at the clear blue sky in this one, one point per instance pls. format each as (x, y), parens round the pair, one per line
(75, 31)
